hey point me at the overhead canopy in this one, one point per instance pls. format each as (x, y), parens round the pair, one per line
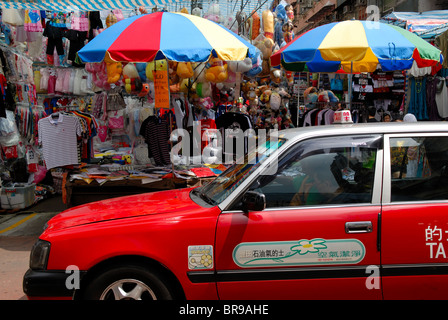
(172, 35)
(427, 24)
(80, 5)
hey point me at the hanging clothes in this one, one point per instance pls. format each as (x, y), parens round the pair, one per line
(95, 23)
(417, 104)
(442, 97)
(54, 35)
(157, 134)
(431, 88)
(58, 135)
(77, 40)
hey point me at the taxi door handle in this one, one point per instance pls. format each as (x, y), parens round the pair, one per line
(358, 227)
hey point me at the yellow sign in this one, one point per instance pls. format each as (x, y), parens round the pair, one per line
(161, 89)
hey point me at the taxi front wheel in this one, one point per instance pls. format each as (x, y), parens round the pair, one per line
(128, 283)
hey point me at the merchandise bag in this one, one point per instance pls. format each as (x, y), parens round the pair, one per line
(336, 83)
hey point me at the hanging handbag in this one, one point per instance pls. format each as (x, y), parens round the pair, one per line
(336, 83)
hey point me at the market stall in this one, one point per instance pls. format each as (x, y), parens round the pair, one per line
(379, 53)
(70, 117)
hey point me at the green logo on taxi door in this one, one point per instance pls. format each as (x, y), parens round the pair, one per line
(297, 253)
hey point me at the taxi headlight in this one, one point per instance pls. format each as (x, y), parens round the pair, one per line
(39, 255)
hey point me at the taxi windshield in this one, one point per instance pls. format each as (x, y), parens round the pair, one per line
(220, 188)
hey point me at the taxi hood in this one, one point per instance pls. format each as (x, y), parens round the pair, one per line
(125, 207)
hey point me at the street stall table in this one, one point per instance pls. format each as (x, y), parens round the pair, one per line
(77, 191)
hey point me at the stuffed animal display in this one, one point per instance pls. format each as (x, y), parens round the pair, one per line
(252, 85)
(217, 72)
(114, 69)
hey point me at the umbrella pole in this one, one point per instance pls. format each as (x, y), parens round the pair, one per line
(170, 114)
(350, 76)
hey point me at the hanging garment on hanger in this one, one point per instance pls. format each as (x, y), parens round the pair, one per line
(115, 99)
(442, 97)
(157, 134)
(431, 90)
(58, 136)
(417, 104)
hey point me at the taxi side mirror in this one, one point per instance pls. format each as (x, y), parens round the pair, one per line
(254, 201)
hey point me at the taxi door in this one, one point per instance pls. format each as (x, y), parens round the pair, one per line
(314, 249)
(414, 240)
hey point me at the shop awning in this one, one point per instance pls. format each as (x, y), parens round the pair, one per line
(81, 5)
(427, 24)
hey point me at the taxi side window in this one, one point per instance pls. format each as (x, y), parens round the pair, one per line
(322, 171)
(419, 168)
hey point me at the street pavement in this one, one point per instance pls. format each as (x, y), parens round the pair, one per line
(18, 232)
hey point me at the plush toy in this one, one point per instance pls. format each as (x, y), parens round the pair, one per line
(265, 96)
(184, 70)
(289, 12)
(323, 97)
(255, 31)
(196, 11)
(284, 95)
(114, 69)
(241, 17)
(185, 87)
(111, 19)
(265, 46)
(132, 82)
(256, 65)
(203, 89)
(311, 97)
(332, 96)
(288, 34)
(289, 78)
(240, 66)
(172, 72)
(155, 65)
(217, 72)
(252, 92)
(145, 89)
(276, 75)
(268, 26)
(231, 24)
(206, 103)
(275, 100)
(213, 13)
(279, 19)
(280, 12)
(141, 68)
(142, 10)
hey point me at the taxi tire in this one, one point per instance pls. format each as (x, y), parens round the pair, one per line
(151, 279)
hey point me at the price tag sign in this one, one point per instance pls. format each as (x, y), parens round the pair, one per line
(161, 89)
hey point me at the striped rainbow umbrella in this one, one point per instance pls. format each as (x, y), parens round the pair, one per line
(359, 46)
(167, 35)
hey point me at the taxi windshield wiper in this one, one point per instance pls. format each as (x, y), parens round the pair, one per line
(204, 197)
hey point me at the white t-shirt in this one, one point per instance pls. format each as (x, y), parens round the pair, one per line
(58, 137)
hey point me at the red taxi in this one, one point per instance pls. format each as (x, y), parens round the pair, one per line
(331, 212)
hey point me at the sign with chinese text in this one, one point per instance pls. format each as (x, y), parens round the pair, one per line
(343, 116)
(161, 89)
(298, 253)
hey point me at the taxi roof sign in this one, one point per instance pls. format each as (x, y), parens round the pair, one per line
(342, 117)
